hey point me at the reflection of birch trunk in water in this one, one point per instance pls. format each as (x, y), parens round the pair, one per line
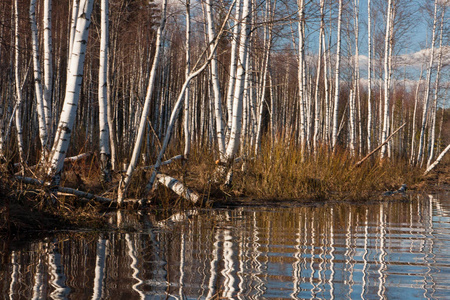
(134, 261)
(332, 257)
(213, 268)
(364, 256)
(181, 282)
(58, 279)
(430, 257)
(99, 269)
(14, 274)
(382, 256)
(229, 268)
(38, 288)
(349, 254)
(297, 265)
(260, 286)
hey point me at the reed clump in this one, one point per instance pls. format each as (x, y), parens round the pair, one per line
(281, 171)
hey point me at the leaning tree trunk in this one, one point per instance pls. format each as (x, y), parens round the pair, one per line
(105, 154)
(43, 133)
(72, 95)
(123, 186)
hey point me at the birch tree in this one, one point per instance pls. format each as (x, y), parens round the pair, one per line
(48, 69)
(387, 46)
(337, 68)
(426, 105)
(18, 117)
(43, 133)
(72, 95)
(105, 154)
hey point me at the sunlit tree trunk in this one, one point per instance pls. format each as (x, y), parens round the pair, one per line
(337, 69)
(43, 133)
(18, 117)
(187, 134)
(105, 154)
(317, 110)
(436, 91)
(413, 130)
(215, 81)
(301, 76)
(48, 68)
(369, 78)
(387, 45)
(123, 186)
(236, 125)
(73, 87)
(426, 104)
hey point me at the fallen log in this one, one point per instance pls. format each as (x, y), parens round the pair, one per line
(437, 161)
(179, 188)
(67, 190)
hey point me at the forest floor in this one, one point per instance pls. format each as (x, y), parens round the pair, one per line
(25, 208)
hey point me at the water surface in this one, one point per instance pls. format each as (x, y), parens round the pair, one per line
(390, 250)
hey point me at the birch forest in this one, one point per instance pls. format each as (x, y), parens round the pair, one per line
(138, 84)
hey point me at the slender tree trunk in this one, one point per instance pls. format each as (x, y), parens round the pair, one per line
(18, 117)
(436, 90)
(336, 91)
(123, 186)
(43, 133)
(427, 93)
(73, 86)
(48, 69)
(187, 134)
(369, 78)
(215, 81)
(387, 43)
(105, 153)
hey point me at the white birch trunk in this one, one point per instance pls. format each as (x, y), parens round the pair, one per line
(236, 125)
(43, 133)
(187, 134)
(105, 153)
(233, 66)
(18, 117)
(73, 86)
(317, 110)
(73, 27)
(437, 161)
(336, 91)
(426, 105)
(301, 74)
(436, 90)
(387, 43)
(369, 78)
(48, 68)
(215, 81)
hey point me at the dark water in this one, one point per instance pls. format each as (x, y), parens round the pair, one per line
(391, 250)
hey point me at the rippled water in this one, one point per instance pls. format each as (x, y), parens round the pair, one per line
(391, 250)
